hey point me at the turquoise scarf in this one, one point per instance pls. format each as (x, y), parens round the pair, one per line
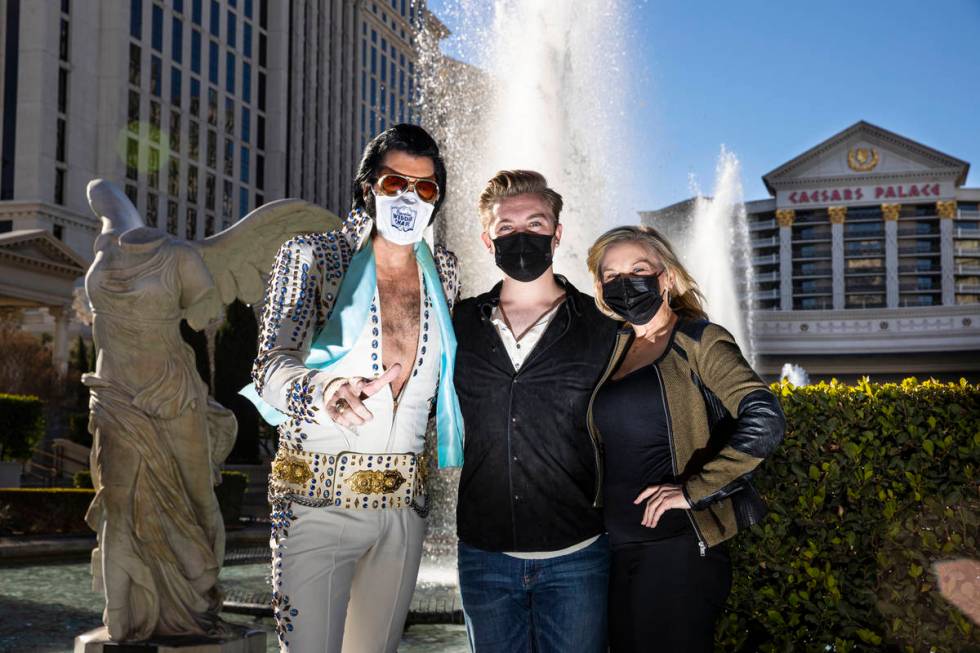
(349, 316)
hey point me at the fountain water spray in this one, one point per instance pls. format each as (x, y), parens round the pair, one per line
(717, 253)
(545, 92)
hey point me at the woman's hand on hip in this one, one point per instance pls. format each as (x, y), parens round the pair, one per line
(660, 499)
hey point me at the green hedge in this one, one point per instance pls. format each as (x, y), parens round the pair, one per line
(873, 484)
(21, 425)
(36, 511)
(62, 510)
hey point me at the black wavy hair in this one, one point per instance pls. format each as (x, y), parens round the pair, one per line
(403, 137)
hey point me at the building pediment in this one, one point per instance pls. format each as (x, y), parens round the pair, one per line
(864, 154)
(39, 249)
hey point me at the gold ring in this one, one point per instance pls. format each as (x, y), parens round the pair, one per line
(340, 406)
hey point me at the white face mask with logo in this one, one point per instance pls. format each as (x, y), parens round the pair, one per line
(402, 219)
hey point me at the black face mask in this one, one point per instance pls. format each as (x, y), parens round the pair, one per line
(523, 256)
(633, 298)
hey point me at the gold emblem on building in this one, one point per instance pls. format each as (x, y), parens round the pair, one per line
(862, 159)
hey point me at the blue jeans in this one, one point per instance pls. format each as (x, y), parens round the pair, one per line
(541, 606)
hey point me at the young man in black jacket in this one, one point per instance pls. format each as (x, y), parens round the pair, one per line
(533, 560)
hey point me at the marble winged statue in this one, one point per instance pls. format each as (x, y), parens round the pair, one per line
(158, 438)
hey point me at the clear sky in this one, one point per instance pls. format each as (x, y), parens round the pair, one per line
(770, 79)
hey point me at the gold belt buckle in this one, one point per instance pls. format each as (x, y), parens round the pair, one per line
(367, 481)
(291, 470)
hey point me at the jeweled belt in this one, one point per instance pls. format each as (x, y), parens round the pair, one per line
(350, 479)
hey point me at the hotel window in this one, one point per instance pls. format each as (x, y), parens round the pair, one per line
(260, 173)
(59, 186)
(261, 91)
(264, 14)
(195, 97)
(132, 192)
(247, 40)
(229, 116)
(152, 209)
(246, 82)
(156, 75)
(232, 33)
(192, 184)
(263, 46)
(208, 225)
(193, 140)
(213, 62)
(260, 132)
(60, 146)
(136, 20)
(248, 8)
(215, 22)
(155, 121)
(179, 6)
(132, 159)
(242, 202)
(212, 148)
(175, 82)
(156, 34)
(190, 228)
(63, 41)
(213, 106)
(209, 192)
(230, 72)
(177, 40)
(246, 124)
(243, 172)
(172, 217)
(196, 52)
(153, 168)
(196, 11)
(134, 110)
(173, 180)
(175, 131)
(134, 64)
(62, 90)
(226, 203)
(229, 167)
(811, 254)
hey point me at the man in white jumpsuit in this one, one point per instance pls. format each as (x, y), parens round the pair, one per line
(355, 350)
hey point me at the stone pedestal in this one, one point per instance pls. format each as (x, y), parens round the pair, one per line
(248, 641)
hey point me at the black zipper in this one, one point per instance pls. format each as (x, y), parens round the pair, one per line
(702, 547)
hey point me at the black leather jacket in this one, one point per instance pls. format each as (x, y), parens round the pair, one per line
(531, 469)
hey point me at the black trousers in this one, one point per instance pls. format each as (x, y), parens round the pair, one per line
(665, 598)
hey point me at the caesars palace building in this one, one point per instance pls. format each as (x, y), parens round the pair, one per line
(866, 260)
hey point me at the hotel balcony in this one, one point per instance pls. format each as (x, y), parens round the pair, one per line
(770, 259)
(967, 250)
(966, 270)
(766, 294)
(762, 225)
(967, 233)
(765, 242)
(764, 277)
(968, 288)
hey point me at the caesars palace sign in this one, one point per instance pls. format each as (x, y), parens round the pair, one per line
(927, 191)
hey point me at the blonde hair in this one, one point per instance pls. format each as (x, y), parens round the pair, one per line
(688, 302)
(511, 183)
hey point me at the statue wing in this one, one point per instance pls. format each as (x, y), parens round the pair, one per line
(116, 211)
(239, 256)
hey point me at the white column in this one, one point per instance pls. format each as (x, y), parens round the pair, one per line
(890, 214)
(785, 219)
(837, 216)
(60, 353)
(946, 212)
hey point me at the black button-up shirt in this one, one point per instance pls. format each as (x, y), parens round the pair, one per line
(530, 467)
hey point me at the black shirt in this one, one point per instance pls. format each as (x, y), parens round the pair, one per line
(529, 479)
(631, 415)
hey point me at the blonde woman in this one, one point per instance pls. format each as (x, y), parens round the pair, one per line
(684, 420)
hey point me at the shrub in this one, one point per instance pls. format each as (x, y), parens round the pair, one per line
(231, 493)
(44, 510)
(82, 479)
(21, 425)
(873, 484)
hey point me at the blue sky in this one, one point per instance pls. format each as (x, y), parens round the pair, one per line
(771, 79)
